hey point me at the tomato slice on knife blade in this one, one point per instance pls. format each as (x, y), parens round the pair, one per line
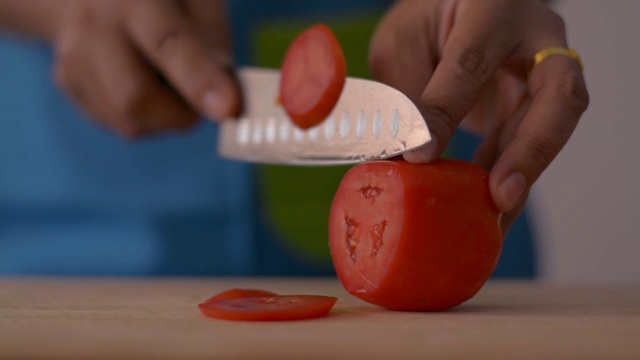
(270, 308)
(314, 71)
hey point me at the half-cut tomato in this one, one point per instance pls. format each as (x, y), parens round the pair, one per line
(420, 237)
(314, 71)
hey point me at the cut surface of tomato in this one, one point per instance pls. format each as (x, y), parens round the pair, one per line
(270, 308)
(313, 74)
(239, 293)
(416, 237)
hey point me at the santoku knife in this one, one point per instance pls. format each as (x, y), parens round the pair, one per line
(370, 121)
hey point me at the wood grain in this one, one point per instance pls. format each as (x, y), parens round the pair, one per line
(50, 318)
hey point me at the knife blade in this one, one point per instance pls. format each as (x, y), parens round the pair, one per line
(370, 121)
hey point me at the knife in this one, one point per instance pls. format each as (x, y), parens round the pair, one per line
(370, 121)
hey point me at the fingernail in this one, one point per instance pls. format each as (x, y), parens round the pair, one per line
(216, 105)
(423, 154)
(511, 189)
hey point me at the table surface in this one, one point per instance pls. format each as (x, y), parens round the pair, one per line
(158, 318)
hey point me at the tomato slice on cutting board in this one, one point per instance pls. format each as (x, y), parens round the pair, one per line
(313, 74)
(417, 237)
(238, 293)
(261, 305)
(270, 308)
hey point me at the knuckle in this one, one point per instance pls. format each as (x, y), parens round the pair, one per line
(81, 18)
(444, 115)
(474, 66)
(85, 18)
(573, 92)
(557, 21)
(541, 152)
(167, 40)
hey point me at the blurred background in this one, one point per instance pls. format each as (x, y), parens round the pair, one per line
(77, 200)
(586, 205)
(582, 221)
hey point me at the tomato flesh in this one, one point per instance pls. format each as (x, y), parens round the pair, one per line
(239, 293)
(270, 308)
(313, 74)
(417, 237)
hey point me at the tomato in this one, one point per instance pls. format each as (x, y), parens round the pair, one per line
(314, 71)
(239, 293)
(270, 308)
(416, 237)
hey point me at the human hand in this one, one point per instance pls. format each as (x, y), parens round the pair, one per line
(146, 66)
(468, 63)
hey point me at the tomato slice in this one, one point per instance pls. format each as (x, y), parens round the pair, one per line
(314, 71)
(239, 293)
(270, 308)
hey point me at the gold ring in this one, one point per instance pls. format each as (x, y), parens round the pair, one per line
(545, 53)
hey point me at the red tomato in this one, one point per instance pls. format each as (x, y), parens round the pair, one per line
(270, 308)
(418, 237)
(313, 75)
(239, 293)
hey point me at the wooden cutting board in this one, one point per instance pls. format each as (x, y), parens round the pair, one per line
(158, 318)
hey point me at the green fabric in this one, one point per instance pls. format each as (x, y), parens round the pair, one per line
(297, 199)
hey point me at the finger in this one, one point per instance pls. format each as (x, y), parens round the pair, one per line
(477, 45)
(210, 21)
(509, 217)
(170, 43)
(509, 111)
(119, 90)
(559, 97)
(394, 58)
(396, 34)
(142, 104)
(487, 152)
(73, 74)
(80, 72)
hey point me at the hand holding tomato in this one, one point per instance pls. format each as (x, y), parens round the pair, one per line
(467, 62)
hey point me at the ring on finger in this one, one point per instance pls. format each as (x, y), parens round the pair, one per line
(554, 50)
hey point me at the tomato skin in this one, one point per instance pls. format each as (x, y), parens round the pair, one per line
(314, 71)
(270, 308)
(238, 293)
(414, 237)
